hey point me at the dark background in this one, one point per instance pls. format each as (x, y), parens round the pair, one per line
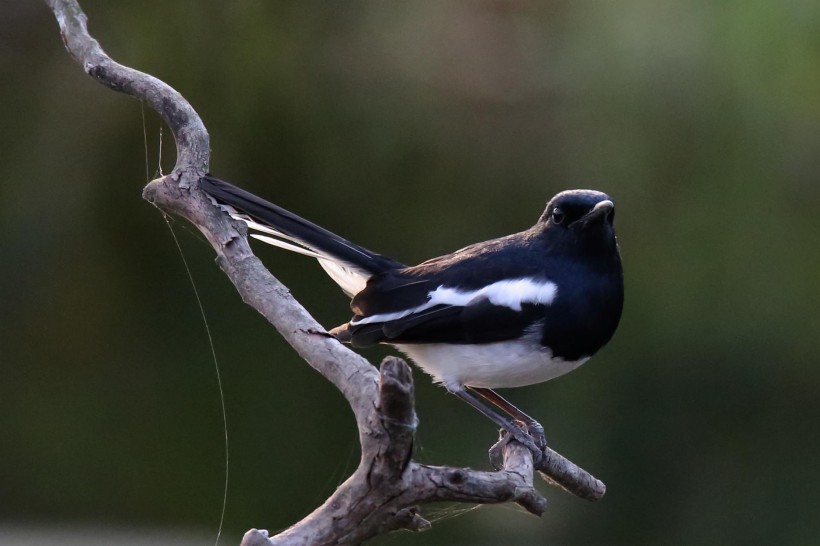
(415, 129)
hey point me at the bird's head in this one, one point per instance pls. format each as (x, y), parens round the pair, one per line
(580, 218)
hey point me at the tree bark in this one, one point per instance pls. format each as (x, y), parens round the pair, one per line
(384, 492)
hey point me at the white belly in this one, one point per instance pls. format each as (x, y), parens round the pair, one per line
(491, 365)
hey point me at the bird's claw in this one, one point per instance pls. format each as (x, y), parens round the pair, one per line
(531, 437)
(537, 432)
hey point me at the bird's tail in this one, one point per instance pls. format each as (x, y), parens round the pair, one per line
(348, 264)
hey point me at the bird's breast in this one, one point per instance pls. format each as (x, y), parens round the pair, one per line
(583, 317)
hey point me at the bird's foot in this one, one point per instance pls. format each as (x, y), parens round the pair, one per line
(536, 431)
(531, 437)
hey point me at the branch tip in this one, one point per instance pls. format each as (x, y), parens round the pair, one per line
(256, 537)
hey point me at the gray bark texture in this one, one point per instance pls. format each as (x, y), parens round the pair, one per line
(384, 492)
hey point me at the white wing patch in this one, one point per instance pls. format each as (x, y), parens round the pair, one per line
(350, 279)
(286, 245)
(511, 293)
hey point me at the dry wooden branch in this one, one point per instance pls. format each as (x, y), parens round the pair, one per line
(383, 493)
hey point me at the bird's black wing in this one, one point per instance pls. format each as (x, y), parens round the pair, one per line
(478, 322)
(458, 298)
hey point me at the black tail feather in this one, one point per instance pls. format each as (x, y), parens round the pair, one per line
(288, 223)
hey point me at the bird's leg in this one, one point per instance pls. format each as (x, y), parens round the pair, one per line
(507, 424)
(533, 426)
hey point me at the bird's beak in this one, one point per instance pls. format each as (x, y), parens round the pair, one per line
(599, 212)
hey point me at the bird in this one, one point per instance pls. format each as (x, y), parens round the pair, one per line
(509, 312)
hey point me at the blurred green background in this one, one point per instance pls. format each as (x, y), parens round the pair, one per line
(442, 123)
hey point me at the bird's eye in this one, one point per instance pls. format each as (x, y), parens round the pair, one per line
(558, 215)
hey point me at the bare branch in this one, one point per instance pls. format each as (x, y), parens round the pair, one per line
(189, 131)
(560, 471)
(352, 374)
(513, 484)
(383, 493)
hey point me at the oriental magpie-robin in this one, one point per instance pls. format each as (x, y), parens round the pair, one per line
(508, 312)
